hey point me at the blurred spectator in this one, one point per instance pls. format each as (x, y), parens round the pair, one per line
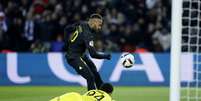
(162, 38)
(24, 7)
(3, 28)
(57, 45)
(129, 25)
(29, 28)
(15, 34)
(115, 17)
(40, 47)
(3, 24)
(150, 3)
(38, 6)
(112, 47)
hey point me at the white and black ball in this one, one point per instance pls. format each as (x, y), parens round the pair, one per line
(127, 60)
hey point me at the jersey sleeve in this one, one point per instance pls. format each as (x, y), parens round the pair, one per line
(89, 42)
(70, 28)
(67, 31)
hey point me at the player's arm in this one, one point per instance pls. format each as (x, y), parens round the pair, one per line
(67, 32)
(70, 28)
(94, 54)
(92, 51)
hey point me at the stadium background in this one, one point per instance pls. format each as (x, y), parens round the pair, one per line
(30, 29)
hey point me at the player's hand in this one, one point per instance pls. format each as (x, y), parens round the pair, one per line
(109, 57)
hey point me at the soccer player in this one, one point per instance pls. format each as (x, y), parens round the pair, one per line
(81, 38)
(103, 94)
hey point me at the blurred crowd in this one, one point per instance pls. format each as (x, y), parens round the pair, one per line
(129, 25)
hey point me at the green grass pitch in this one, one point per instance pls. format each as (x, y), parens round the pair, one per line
(44, 93)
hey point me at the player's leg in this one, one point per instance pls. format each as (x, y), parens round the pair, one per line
(93, 68)
(82, 69)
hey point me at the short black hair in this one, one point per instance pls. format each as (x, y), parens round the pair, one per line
(107, 87)
(96, 15)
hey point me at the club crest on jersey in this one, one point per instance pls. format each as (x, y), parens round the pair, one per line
(91, 43)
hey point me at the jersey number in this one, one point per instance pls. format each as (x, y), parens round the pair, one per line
(99, 97)
(74, 36)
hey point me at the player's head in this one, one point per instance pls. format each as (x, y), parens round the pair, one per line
(107, 87)
(96, 22)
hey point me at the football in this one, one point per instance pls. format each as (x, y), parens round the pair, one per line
(127, 60)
